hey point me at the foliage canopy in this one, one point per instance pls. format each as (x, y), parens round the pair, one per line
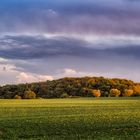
(72, 87)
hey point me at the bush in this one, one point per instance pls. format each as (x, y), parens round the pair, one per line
(105, 94)
(29, 95)
(39, 98)
(128, 92)
(87, 92)
(114, 92)
(17, 97)
(64, 95)
(96, 93)
(136, 94)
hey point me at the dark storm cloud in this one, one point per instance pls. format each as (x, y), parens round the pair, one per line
(27, 47)
(80, 16)
(127, 51)
(38, 47)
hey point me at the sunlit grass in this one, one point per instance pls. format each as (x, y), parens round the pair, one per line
(84, 118)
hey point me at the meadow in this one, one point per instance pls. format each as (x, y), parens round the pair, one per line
(70, 119)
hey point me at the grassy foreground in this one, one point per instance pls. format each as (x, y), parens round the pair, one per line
(70, 119)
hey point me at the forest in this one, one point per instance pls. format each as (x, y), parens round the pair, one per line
(72, 88)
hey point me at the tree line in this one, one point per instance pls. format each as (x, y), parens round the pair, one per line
(72, 87)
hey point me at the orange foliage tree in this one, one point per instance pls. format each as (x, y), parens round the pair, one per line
(96, 93)
(128, 92)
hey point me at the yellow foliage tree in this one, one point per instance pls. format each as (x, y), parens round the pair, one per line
(114, 92)
(29, 95)
(137, 89)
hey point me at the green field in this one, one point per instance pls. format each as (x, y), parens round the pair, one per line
(70, 119)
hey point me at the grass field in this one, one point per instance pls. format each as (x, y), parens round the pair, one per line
(70, 119)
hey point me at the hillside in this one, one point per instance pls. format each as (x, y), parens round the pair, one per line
(72, 87)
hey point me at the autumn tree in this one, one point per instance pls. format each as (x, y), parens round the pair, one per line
(114, 92)
(137, 90)
(96, 93)
(29, 95)
(17, 97)
(128, 92)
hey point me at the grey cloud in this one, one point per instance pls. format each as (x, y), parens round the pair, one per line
(101, 17)
(41, 55)
(38, 47)
(127, 51)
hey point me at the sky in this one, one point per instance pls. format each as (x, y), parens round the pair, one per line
(49, 39)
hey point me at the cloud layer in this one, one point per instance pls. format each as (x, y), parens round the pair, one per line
(36, 57)
(76, 16)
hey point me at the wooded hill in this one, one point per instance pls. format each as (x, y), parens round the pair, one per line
(72, 87)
